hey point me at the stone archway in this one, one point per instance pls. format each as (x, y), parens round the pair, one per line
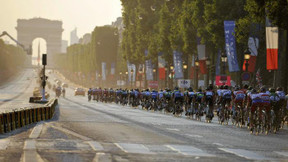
(50, 30)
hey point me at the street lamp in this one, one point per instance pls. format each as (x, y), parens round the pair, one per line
(171, 79)
(154, 74)
(224, 61)
(131, 77)
(196, 61)
(185, 67)
(247, 55)
(208, 63)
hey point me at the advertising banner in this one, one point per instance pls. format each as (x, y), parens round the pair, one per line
(229, 27)
(223, 80)
(103, 70)
(184, 83)
(153, 84)
(177, 58)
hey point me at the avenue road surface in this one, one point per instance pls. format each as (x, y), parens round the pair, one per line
(91, 131)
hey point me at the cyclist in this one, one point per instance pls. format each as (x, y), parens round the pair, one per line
(226, 97)
(209, 101)
(238, 100)
(89, 94)
(254, 101)
(274, 99)
(177, 99)
(266, 106)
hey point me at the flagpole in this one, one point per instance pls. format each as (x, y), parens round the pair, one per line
(274, 80)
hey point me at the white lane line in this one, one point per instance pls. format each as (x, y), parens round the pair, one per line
(173, 129)
(31, 156)
(133, 148)
(72, 133)
(244, 153)
(194, 135)
(36, 131)
(96, 146)
(188, 150)
(282, 153)
(218, 144)
(4, 144)
(29, 145)
(102, 157)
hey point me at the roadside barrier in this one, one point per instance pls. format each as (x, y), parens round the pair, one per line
(17, 118)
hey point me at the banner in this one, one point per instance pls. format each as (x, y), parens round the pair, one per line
(103, 70)
(201, 49)
(202, 64)
(161, 67)
(229, 27)
(149, 68)
(177, 57)
(218, 63)
(223, 80)
(184, 83)
(271, 46)
(253, 44)
(153, 84)
(112, 68)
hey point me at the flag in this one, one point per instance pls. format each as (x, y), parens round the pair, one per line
(271, 45)
(201, 48)
(103, 70)
(202, 64)
(112, 68)
(177, 58)
(253, 44)
(218, 66)
(161, 67)
(258, 78)
(229, 27)
(149, 69)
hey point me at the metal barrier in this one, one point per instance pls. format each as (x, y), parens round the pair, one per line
(18, 118)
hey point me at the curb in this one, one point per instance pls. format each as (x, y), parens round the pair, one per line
(11, 120)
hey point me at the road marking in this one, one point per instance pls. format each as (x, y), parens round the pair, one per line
(100, 156)
(4, 144)
(36, 131)
(31, 156)
(218, 144)
(244, 153)
(173, 129)
(188, 150)
(96, 146)
(194, 135)
(282, 153)
(71, 133)
(30, 145)
(133, 148)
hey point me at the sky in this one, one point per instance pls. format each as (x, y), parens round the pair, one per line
(81, 14)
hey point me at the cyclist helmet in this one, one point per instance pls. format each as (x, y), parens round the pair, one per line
(272, 90)
(176, 88)
(279, 89)
(221, 87)
(226, 87)
(263, 89)
(254, 91)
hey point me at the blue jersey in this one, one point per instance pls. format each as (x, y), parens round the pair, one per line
(154, 95)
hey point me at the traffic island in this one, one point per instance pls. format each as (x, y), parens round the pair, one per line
(17, 118)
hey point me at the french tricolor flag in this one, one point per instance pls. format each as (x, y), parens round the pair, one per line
(271, 45)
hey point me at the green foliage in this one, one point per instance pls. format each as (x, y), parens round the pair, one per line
(11, 57)
(87, 58)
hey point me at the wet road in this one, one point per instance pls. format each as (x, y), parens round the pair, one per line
(91, 131)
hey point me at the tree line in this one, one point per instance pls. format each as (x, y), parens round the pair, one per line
(86, 59)
(12, 59)
(167, 25)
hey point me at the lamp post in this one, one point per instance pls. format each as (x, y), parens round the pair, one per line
(154, 74)
(131, 77)
(247, 55)
(171, 72)
(185, 67)
(120, 78)
(196, 73)
(99, 79)
(126, 77)
(208, 63)
(224, 61)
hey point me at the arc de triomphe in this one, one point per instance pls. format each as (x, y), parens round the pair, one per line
(49, 30)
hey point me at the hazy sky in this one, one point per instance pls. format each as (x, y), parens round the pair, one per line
(83, 14)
